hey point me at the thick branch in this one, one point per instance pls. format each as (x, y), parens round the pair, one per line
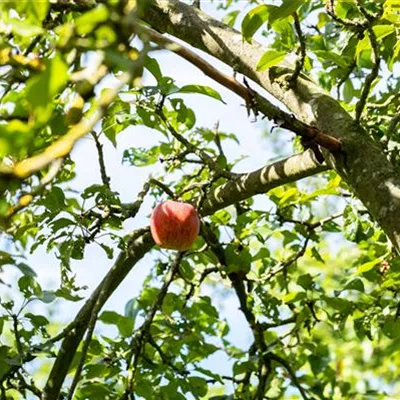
(252, 98)
(246, 185)
(141, 243)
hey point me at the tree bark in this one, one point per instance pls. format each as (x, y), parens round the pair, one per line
(362, 162)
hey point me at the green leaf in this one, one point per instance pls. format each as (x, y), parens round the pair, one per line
(253, 20)
(243, 367)
(391, 327)
(230, 18)
(131, 309)
(4, 355)
(318, 363)
(362, 45)
(108, 250)
(348, 91)
(205, 305)
(41, 89)
(141, 157)
(94, 391)
(124, 324)
(29, 286)
(211, 374)
(287, 8)
(352, 227)
(152, 65)
(38, 9)
(305, 281)
(60, 223)
(270, 58)
(37, 320)
(14, 135)
(382, 31)
(293, 297)
(199, 386)
(25, 28)
(342, 305)
(78, 249)
(66, 294)
(368, 266)
(338, 59)
(48, 296)
(355, 284)
(395, 56)
(186, 270)
(207, 91)
(170, 304)
(117, 119)
(26, 269)
(85, 23)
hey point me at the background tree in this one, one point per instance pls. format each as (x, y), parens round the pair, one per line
(325, 324)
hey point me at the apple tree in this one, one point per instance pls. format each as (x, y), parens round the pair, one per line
(315, 274)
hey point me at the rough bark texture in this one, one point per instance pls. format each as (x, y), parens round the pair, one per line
(261, 181)
(362, 163)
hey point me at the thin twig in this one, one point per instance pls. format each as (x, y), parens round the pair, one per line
(139, 336)
(302, 50)
(292, 374)
(163, 187)
(369, 80)
(309, 224)
(283, 266)
(134, 208)
(194, 149)
(330, 10)
(165, 359)
(290, 320)
(29, 386)
(104, 177)
(346, 76)
(86, 343)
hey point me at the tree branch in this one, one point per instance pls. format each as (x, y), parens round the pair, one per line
(291, 372)
(252, 98)
(264, 366)
(103, 172)
(302, 51)
(261, 181)
(195, 150)
(369, 80)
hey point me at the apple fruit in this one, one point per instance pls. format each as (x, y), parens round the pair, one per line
(174, 225)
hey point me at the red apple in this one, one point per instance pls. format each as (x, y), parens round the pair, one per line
(174, 225)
